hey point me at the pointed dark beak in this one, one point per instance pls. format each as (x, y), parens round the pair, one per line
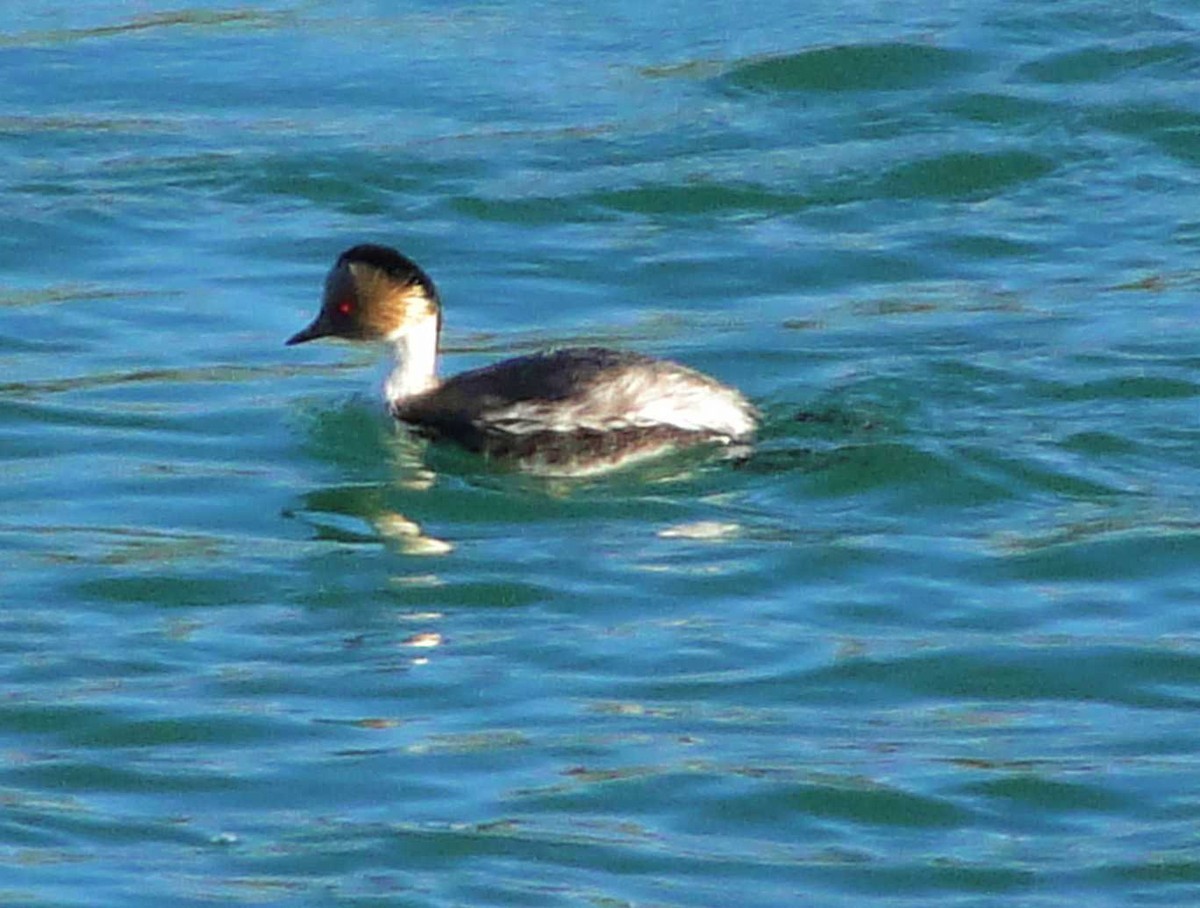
(319, 328)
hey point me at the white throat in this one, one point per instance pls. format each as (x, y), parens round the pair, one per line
(414, 349)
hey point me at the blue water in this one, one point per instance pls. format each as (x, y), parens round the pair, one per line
(935, 643)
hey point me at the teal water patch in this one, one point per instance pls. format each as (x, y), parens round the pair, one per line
(965, 175)
(1099, 64)
(1174, 131)
(699, 199)
(867, 67)
(999, 109)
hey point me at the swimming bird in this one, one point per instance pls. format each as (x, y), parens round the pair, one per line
(567, 411)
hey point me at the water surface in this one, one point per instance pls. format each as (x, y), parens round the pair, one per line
(934, 644)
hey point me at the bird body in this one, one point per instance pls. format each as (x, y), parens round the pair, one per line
(566, 411)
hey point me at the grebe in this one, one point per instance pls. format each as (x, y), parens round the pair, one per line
(569, 411)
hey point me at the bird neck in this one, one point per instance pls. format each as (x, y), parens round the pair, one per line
(414, 354)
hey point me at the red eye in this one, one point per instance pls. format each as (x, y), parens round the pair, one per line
(345, 307)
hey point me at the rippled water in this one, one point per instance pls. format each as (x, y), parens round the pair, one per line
(932, 645)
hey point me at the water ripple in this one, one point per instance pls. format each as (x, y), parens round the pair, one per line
(863, 67)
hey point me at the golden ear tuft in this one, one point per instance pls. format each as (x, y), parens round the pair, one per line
(392, 308)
